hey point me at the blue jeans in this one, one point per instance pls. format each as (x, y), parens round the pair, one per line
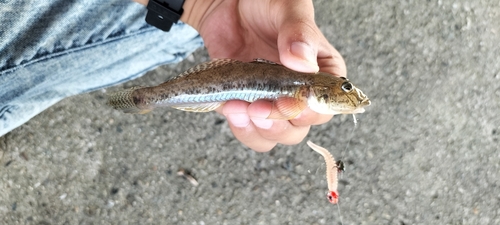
(53, 49)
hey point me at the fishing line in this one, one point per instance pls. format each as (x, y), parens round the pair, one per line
(340, 164)
(340, 215)
(351, 136)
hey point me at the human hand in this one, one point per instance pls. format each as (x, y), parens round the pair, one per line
(277, 30)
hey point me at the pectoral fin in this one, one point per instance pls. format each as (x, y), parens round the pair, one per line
(287, 108)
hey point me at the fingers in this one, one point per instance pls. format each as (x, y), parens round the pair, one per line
(248, 124)
(309, 117)
(301, 45)
(281, 131)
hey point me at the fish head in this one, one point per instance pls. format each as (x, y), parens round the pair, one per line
(334, 95)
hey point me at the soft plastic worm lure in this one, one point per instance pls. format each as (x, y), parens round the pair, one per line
(331, 172)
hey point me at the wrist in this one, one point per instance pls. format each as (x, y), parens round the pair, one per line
(194, 11)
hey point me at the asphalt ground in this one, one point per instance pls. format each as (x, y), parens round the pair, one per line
(425, 152)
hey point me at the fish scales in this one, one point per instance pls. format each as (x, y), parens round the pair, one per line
(208, 85)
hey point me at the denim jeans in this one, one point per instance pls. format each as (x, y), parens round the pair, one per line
(53, 49)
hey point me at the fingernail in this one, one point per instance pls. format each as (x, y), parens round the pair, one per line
(238, 120)
(262, 123)
(304, 51)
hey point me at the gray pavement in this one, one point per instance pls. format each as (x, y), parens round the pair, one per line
(425, 152)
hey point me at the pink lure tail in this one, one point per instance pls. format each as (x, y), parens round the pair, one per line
(333, 197)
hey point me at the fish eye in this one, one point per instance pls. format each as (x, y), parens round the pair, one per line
(347, 87)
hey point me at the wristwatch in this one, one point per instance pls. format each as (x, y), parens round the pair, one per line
(164, 13)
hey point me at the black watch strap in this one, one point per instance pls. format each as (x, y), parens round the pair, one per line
(164, 13)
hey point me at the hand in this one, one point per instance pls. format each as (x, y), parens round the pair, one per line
(278, 30)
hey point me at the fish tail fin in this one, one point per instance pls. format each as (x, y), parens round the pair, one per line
(124, 100)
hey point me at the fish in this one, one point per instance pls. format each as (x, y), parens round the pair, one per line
(209, 85)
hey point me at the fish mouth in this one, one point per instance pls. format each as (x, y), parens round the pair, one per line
(360, 108)
(362, 98)
(365, 102)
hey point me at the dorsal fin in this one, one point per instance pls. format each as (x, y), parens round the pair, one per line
(261, 60)
(208, 65)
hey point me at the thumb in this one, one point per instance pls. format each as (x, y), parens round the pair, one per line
(301, 45)
(299, 37)
(300, 56)
(296, 50)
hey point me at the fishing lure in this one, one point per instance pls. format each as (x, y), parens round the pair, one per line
(331, 172)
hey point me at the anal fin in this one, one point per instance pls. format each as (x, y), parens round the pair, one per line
(198, 107)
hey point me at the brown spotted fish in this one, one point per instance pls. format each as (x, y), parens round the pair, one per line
(207, 86)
